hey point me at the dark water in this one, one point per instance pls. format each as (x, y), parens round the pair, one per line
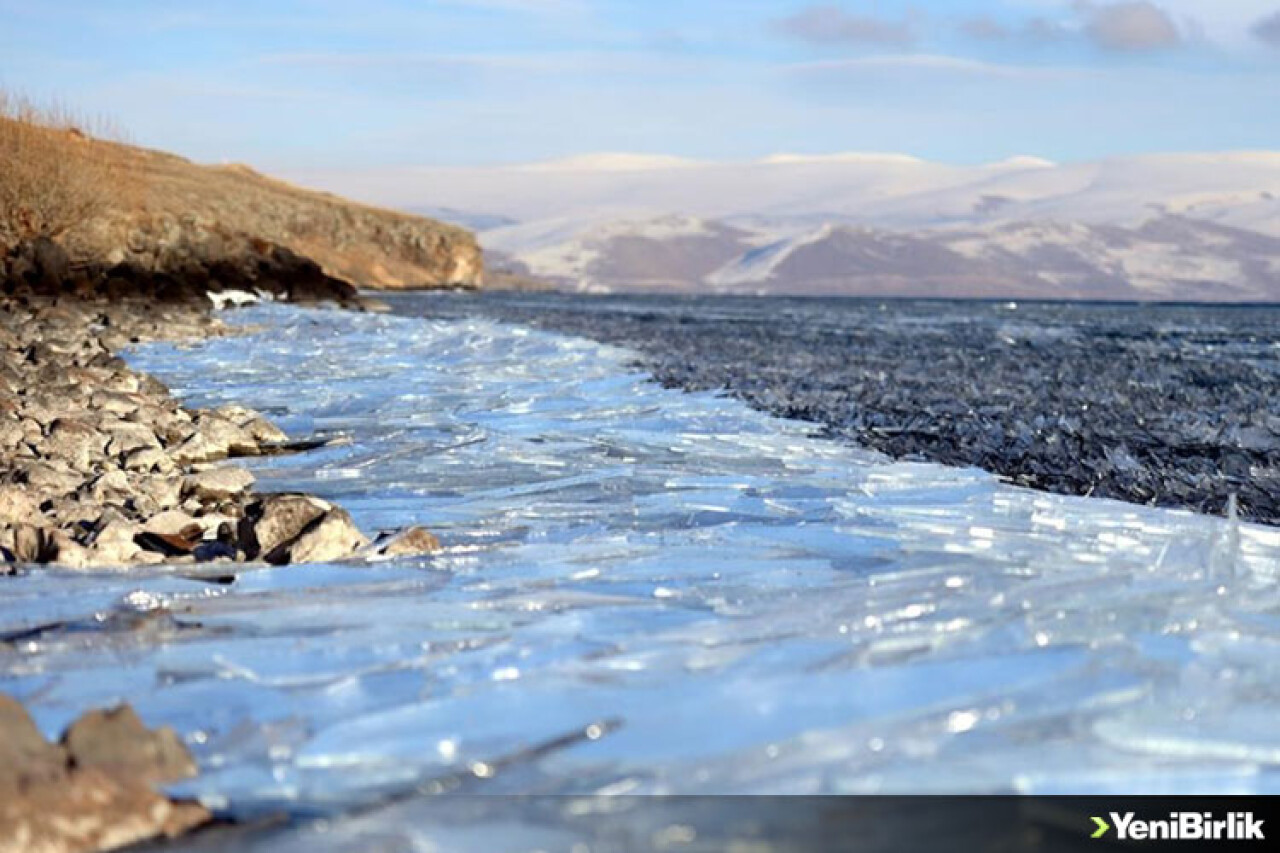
(1173, 406)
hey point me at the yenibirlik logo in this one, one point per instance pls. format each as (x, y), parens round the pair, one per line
(1182, 826)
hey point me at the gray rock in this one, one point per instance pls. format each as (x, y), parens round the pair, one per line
(171, 425)
(333, 536)
(110, 487)
(75, 442)
(122, 381)
(275, 520)
(261, 430)
(162, 490)
(17, 504)
(67, 512)
(117, 742)
(64, 551)
(149, 459)
(113, 544)
(217, 484)
(214, 438)
(92, 791)
(115, 402)
(26, 758)
(89, 450)
(198, 448)
(126, 437)
(50, 478)
(45, 410)
(11, 435)
(412, 542)
(172, 522)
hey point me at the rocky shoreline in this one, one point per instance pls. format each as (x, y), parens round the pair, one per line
(104, 245)
(102, 468)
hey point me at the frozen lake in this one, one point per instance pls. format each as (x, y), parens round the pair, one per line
(647, 591)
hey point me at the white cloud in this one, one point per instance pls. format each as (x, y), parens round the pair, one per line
(1223, 22)
(1132, 26)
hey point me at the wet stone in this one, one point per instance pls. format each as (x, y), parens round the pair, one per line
(100, 468)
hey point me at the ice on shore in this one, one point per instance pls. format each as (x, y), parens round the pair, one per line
(223, 299)
(651, 591)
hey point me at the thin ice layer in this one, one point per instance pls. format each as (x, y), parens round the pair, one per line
(651, 591)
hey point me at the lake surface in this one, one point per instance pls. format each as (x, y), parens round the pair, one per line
(651, 591)
(1171, 405)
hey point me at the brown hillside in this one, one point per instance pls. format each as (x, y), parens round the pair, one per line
(111, 203)
(183, 204)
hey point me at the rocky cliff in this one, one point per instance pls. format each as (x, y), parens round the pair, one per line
(173, 211)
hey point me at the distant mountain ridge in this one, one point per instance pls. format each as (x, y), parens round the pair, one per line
(1165, 258)
(1163, 227)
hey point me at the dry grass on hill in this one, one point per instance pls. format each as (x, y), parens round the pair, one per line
(53, 177)
(109, 202)
(365, 245)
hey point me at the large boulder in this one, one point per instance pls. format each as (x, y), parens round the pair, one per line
(116, 741)
(112, 542)
(275, 520)
(294, 528)
(333, 536)
(26, 758)
(93, 791)
(215, 437)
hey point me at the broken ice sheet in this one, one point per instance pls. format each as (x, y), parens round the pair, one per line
(761, 610)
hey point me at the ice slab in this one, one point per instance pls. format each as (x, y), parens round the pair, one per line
(650, 591)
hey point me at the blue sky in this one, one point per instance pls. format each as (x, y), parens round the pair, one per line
(334, 84)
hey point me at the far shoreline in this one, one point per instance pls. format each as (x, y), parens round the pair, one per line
(689, 296)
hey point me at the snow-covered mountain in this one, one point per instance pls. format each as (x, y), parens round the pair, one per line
(1166, 258)
(1175, 226)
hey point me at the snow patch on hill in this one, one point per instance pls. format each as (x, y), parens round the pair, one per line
(761, 264)
(1167, 225)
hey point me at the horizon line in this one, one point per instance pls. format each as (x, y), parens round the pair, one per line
(637, 161)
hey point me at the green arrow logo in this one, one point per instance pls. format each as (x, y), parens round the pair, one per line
(1103, 826)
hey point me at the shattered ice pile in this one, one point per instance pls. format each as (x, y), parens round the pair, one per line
(650, 591)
